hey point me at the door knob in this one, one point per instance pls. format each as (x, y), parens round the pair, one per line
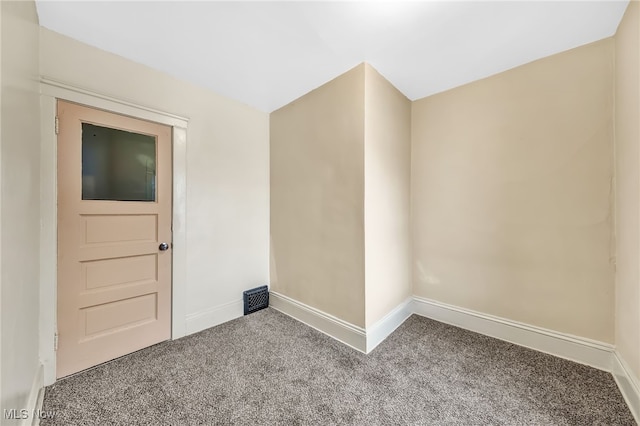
(163, 246)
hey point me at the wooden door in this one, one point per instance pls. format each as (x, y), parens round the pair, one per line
(114, 236)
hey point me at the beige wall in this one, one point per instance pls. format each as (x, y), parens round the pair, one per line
(340, 169)
(511, 194)
(227, 167)
(387, 165)
(317, 198)
(20, 221)
(627, 130)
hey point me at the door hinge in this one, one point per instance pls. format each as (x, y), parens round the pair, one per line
(57, 125)
(55, 342)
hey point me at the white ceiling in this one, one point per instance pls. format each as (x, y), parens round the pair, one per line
(267, 54)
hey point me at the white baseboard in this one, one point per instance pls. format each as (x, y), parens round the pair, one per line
(34, 402)
(211, 317)
(585, 351)
(340, 330)
(36, 418)
(387, 325)
(628, 384)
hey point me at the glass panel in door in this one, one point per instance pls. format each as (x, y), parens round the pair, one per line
(117, 165)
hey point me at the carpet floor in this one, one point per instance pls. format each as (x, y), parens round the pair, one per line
(267, 368)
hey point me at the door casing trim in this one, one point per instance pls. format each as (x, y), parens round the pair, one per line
(50, 92)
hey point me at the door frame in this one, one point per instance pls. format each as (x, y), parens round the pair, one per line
(51, 91)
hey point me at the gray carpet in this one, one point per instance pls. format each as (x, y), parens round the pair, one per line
(267, 368)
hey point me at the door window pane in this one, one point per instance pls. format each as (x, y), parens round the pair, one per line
(117, 165)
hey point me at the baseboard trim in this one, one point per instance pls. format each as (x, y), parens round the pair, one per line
(388, 324)
(336, 328)
(211, 317)
(585, 351)
(602, 356)
(628, 384)
(34, 402)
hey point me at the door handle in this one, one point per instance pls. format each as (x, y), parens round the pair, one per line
(163, 246)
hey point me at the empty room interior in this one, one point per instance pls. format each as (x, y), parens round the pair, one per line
(409, 212)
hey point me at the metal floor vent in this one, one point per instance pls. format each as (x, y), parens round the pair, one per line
(255, 299)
